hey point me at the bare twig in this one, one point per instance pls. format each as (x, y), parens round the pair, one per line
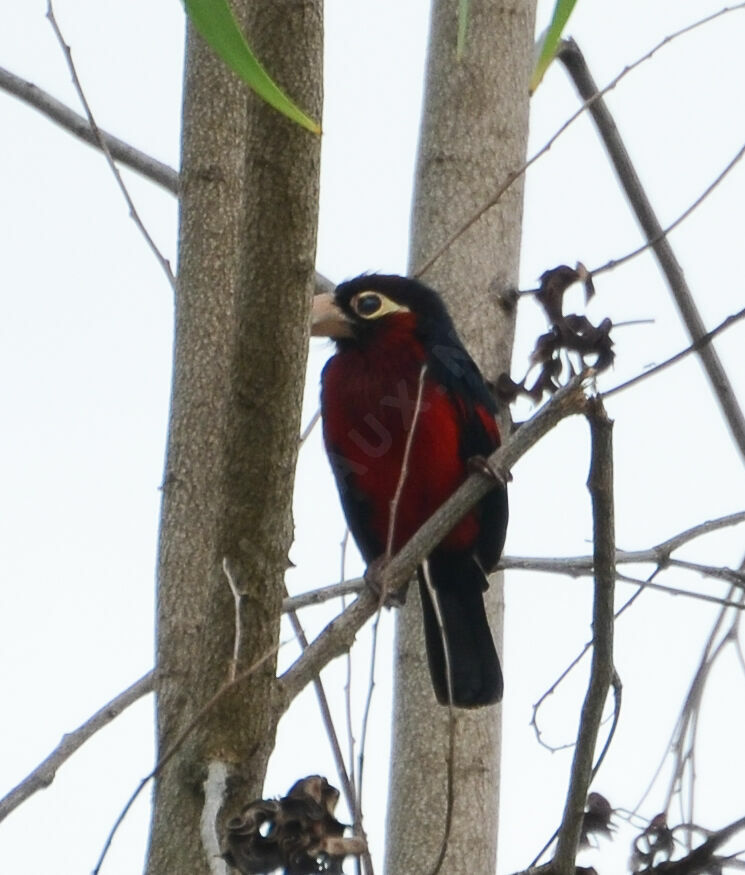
(161, 259)
(403, 473)
(516, 174)
(308, 430)
(323, 594)
(337, 637)
(661, 238)
(365, 722)
(676, 591)
(353, 804)
(43, 775)
(693, 696)
(450, 788)
(657, 237)
(683, 744)
(174, 748)
(237, 598)
(577, 566)
(393, 511)
(142, 163)
(600, 484)
(704, 341)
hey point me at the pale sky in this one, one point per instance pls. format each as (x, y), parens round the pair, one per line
(85, 350)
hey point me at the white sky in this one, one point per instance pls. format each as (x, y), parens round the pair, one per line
(85, 348)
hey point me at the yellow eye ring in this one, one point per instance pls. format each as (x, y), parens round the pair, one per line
(373, 305)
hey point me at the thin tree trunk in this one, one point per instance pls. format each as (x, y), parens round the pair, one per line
(246, 273)
(474, 132)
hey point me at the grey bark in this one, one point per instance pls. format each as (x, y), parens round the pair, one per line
(474, 132)
(246, 274)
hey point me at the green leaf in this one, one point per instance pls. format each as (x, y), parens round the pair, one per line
(214, 19)
(552, 35)
(463, 6)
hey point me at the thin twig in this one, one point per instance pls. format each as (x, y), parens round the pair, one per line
(307, 431)
(450, 777)
(43, 775)
(237, 599)
(323, 594)
(402, 475)
(516, 174)
(328, 722)
(657, 237)
(555, 685)
(693, 692)
(576, 566)
(348, 709)
(365, 722)
(600, 484)
(404, 472)
(699, 344)
(688, 720)
(661, 237)
(174, 748)
(161, 259)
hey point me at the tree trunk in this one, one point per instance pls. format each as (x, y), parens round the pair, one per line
(474, 132)
(246, 271)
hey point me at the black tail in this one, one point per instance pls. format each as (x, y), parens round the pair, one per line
(476, 676)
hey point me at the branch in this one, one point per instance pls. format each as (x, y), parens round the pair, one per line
(161, 259)
(43, 775)
(338, 636)
(77, 125)
(175, 747)
(600, 484)
(147, 166)
(354, 803)
(575, 64)
(573, 566)
(697, 345)
(675, 744)
(516, 174)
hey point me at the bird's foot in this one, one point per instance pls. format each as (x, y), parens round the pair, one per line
(375, 579)
(482, 465)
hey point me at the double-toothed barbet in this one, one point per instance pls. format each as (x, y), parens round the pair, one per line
(386, 328)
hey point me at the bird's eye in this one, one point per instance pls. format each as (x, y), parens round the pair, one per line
(373, 305)
(368, 304)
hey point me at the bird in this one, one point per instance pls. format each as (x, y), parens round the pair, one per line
(401, 375)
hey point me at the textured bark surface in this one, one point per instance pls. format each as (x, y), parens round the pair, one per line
(474, 132)
(246, 273)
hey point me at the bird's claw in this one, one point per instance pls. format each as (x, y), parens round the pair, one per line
(375, 579)
(482, 465)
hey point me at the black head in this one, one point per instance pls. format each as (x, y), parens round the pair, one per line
(362, 306)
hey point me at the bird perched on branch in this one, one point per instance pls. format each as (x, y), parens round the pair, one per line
(405, 409)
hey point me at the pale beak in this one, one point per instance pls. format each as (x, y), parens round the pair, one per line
(327, 319)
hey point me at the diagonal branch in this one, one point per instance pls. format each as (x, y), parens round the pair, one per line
(77, 125)
(338, 636)
(572, 58)
(43, 775)
(596, 95)
(697, 345)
